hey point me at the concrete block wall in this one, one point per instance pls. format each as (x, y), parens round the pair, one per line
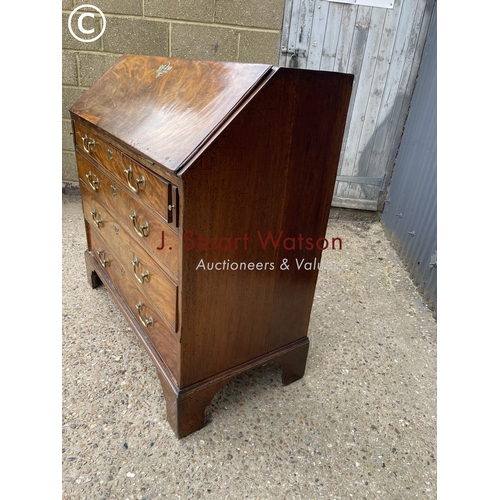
(220, 30)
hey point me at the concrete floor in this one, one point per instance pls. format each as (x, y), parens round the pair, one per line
(361, 424)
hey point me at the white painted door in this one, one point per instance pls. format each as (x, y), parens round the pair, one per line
(382, 48)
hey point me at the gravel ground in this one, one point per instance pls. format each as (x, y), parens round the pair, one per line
(360, 425)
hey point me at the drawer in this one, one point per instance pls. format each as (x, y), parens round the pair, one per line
(94, 145)
(159, 194)
(159, 288)
(147, 229)
(152, 323)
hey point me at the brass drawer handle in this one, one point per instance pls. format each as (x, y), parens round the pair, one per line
(102, 258)
(142, 277)
(145, 321)
(143, 229)
(97, 221)
(88, 144)
(94, 184)
(140, 182)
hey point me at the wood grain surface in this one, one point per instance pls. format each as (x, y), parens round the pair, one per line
(246, 157)
(236, 188)
(162, 337)
(161, 241)
(166, 116)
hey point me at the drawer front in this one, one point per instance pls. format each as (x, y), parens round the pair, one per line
(159, 288)
(151, 321)
(159, 194)
(156, 192)
(92, 143)
(147, 229)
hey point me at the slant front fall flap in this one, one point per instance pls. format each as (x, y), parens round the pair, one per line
(164, 107)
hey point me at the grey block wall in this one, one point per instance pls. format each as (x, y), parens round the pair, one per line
(221, 30)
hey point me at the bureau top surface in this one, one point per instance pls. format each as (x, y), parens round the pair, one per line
(166, 108)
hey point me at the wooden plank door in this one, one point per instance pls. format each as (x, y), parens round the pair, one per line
(382, 47)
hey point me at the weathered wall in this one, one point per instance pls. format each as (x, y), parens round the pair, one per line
(223, 30)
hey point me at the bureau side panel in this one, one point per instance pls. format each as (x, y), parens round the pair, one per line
(252, 199)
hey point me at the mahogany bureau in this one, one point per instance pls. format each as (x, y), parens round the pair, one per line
(206, 189)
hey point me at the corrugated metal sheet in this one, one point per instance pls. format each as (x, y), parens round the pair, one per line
(382, 48)
(410, 212)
